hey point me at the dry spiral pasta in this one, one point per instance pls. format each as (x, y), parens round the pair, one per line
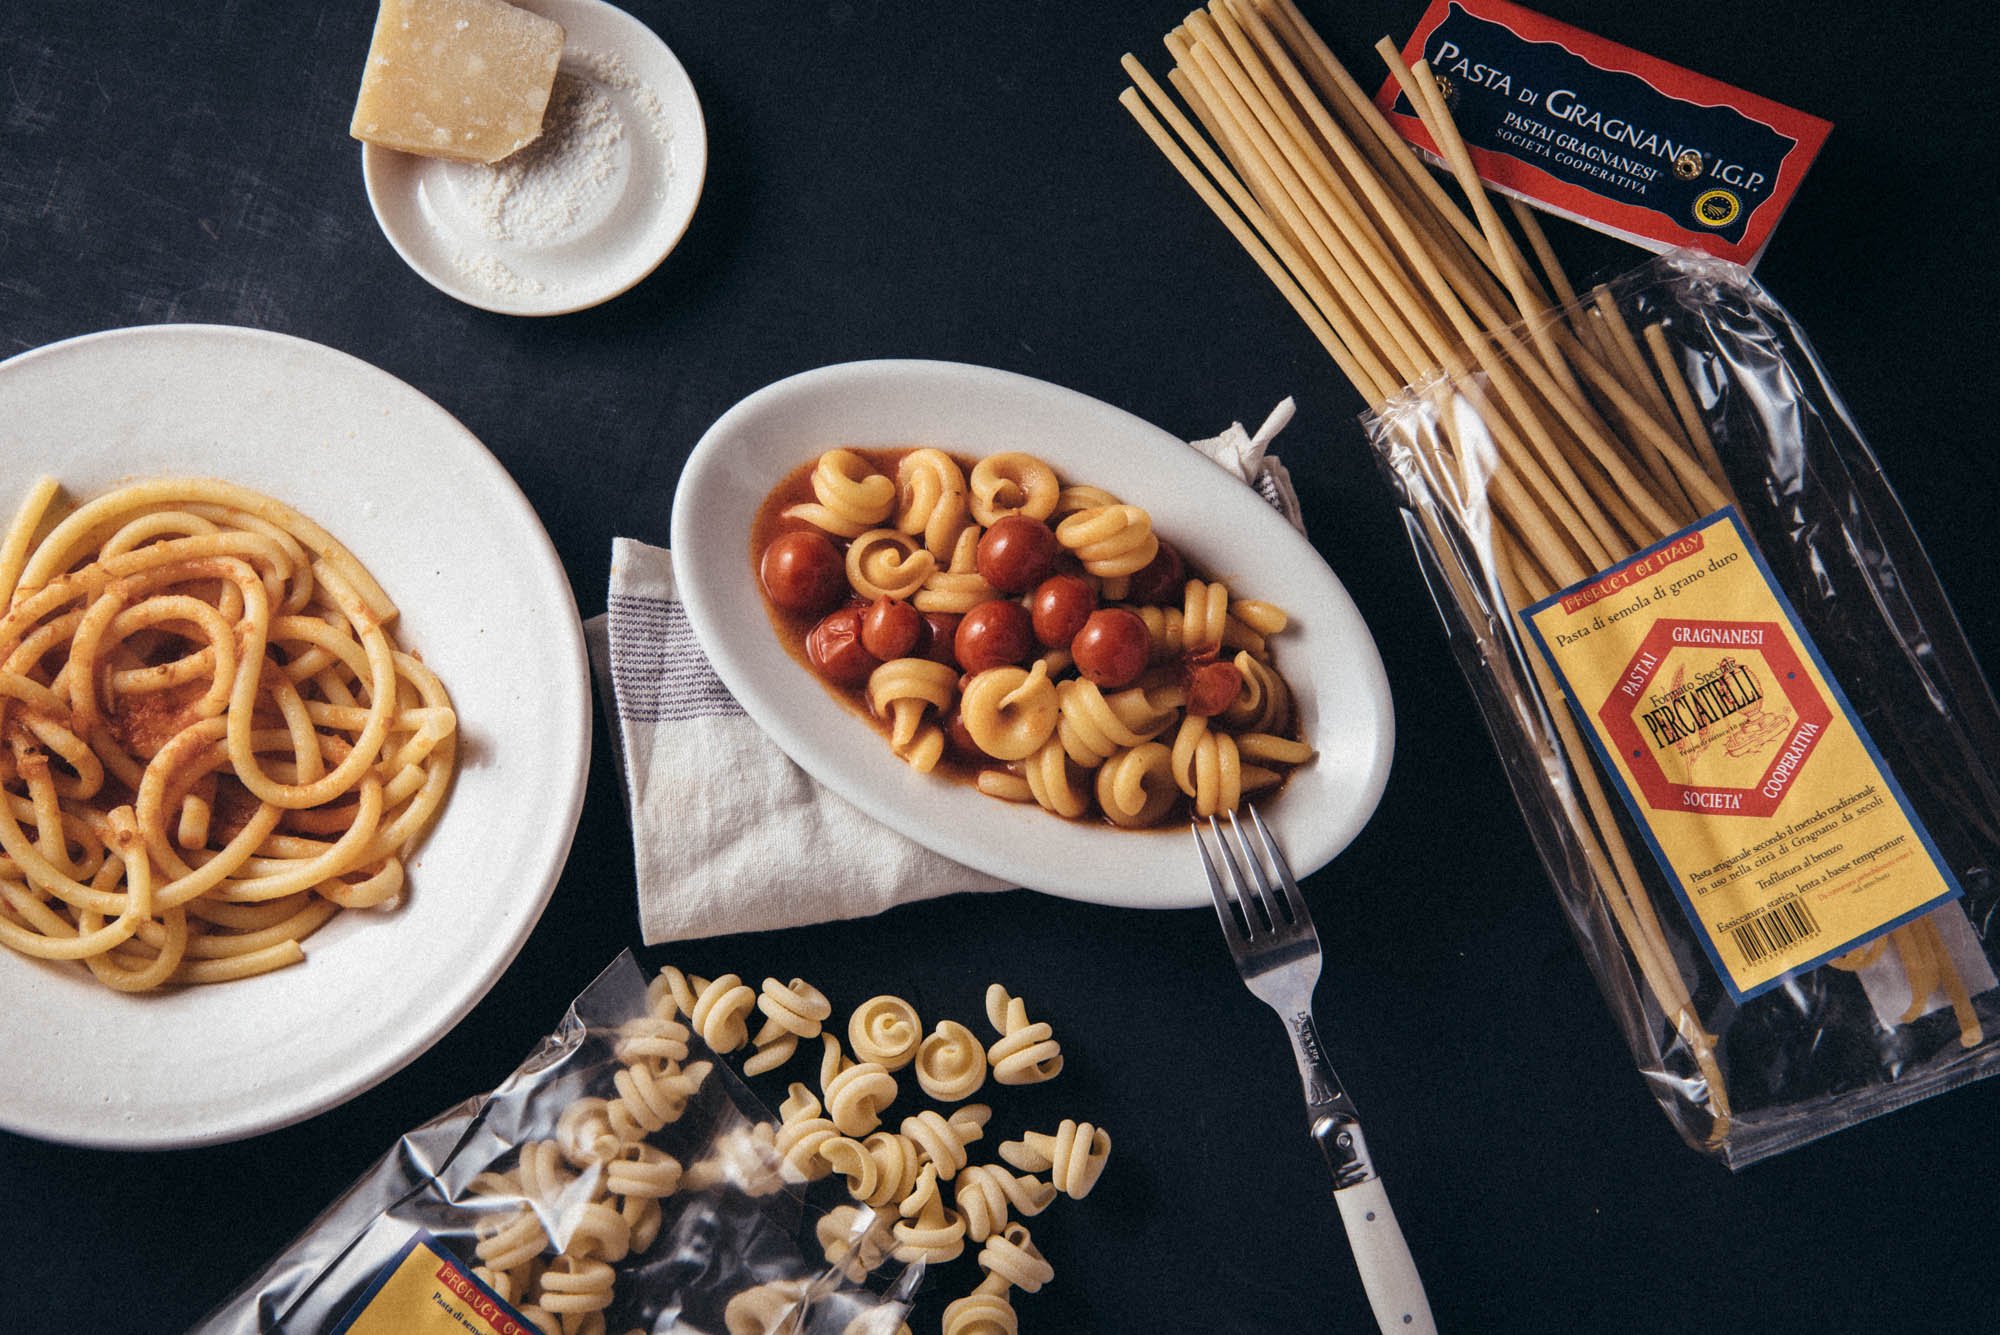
(718, 1010)
(802, 1133)
(1011, 1261)
(930, 498)
(985, 1193)
(765, 1309)
(1110, 540)
(850, 497)
(881, 1169)
(855, 1239)
(650, 1096)
(928, 1230)
(1073, 1157)
(885, 1030)
(855, 1092)
(951, 1063)
(1009, 712)
(209, 740)
(942, 1140)
(1013, 483)
(792, 1011)
(1024, 1054)
(745, 1157)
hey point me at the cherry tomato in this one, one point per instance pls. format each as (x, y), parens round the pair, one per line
(803, 572)
(889, 628)
(1112, 648)
(1212, 688)
(937, 640)
(1059, 607)
(1161, 581)
(994, 634)
(959, 741)
(835, 650)
(1016, 553)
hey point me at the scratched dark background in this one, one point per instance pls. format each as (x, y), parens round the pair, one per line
(958, 182)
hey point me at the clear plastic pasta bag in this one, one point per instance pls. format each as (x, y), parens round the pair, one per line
(1751, 743)
(538, 1208)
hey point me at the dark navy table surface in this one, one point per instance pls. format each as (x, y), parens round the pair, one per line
(957, 181)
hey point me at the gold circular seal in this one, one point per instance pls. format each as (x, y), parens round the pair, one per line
(1716, 208)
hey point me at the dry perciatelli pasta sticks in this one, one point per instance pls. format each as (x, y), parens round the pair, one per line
(1737, 710)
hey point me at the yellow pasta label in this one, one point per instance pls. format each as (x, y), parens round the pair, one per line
(1760, 792)
(424, 1290)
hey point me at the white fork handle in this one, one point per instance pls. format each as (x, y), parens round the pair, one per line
(1387, 1271)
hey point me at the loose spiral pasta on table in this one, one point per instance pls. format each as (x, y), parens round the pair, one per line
(942, 1140)
(792, 1011)
(1019, 630)
(951, 1063)
(985, 1193)
(210, 741)
(1024, 1054)
(1073, 1156)
(855, 1092)
(885, 1030)
(929, 1230)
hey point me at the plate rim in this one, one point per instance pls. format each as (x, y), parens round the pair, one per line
(692, 586)
(281, 1113)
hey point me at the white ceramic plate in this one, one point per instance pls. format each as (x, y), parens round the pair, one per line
(541, 245)
(1221, 525)
(448, 534)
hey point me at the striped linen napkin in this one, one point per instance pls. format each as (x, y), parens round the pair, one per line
(728, 834)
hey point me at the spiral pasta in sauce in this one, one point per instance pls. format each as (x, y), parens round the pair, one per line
(1030, 634)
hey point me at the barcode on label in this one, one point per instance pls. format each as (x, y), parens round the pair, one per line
(1768, 933)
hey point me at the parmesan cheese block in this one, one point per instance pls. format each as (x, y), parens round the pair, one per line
(465, 79)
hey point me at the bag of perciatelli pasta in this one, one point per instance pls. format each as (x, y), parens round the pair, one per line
(1750, 740)
(573, 1199)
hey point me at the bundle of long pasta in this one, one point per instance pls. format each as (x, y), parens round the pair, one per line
(1542, 441)
(210, 742)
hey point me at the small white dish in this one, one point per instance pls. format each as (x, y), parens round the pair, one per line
(1222, 526)
(525, 236)
(482, 596)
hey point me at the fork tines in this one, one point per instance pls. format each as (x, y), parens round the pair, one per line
(1262, 903)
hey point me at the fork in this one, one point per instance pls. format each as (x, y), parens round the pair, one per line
(1270, 934)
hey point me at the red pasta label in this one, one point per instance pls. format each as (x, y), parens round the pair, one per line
(1608, 136)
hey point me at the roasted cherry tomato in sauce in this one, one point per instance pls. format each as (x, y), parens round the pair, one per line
(1161, 581)
(803, 572)
(958, 740)
(890, 627)
(1112, 648)
(1017, 553)
(994, 634)
(938, 639)
(835, 650)
(1059, 607)
(1212, 688)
